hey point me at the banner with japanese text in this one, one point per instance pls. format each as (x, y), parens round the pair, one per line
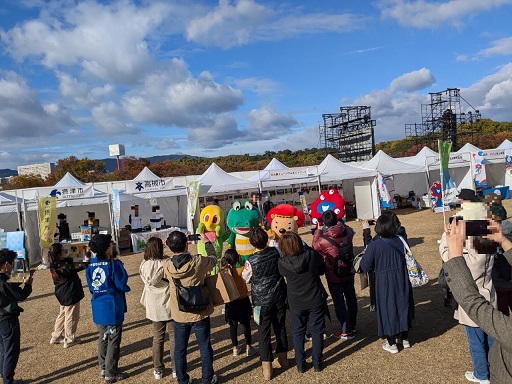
(116, 208)
(193, 196)
(448, 187)
(47, 210)
(383, 190)
(478, 169)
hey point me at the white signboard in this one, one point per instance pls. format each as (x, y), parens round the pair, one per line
(67, 192)
(283, 174)
(141, 186)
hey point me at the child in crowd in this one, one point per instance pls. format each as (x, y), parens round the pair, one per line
(69, 292)
(155, 297)
(239, 310)
(107, 280)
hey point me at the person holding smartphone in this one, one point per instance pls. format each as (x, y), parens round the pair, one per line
(478, 254)
(466, 291)
(10, 295)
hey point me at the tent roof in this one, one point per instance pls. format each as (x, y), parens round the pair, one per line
(146, 174)
(274, 164)
(505, 145)
(426, 154)
(332, 169)
(6, 198)
(468, 147)
(68, 181)
(386, 165)
(215, 179)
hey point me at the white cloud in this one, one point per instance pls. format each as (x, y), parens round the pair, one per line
(266, 123)
(413, 81)
(428, 14)
(499, 47)
(238, 22)
(259, 86)
(23, 115)
(166, 144)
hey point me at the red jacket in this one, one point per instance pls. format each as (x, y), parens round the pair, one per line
(330, 251)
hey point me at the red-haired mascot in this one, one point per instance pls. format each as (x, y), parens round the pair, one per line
(284, 218)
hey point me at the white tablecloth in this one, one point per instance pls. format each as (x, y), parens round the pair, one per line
(139, 239)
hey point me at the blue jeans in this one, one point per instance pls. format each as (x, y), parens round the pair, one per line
(181, 336)
(479, 345)
(315, 321)
(345, 302)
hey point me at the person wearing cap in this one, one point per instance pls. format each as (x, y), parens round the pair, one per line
(107, 280)
(468, 195)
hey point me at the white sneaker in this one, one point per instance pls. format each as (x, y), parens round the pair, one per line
(158, 374)
(406, 344)
(71, 343)
(56, 340)
(214, 380)
(471, 377)
(390, 348)
(43, 266)
(174, 375)
(236, 351)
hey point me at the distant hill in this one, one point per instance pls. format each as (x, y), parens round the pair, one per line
(111, 163)
(8, 172)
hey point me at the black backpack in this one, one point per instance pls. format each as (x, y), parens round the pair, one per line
(345, 257)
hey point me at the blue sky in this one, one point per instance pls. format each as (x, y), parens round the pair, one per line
(213, 78)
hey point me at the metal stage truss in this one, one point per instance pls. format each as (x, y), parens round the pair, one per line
(443, 119)
(349, 133)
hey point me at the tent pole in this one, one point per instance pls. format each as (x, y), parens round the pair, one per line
(318, 180)
(18, 210)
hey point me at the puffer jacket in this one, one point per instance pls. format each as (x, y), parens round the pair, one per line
(329, 251)
(267, 284)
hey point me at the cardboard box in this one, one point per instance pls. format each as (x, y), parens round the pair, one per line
(222, 288)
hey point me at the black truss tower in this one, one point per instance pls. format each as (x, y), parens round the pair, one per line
(349, 133)
(443, 119)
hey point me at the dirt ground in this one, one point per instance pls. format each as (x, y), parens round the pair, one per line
(439, 350)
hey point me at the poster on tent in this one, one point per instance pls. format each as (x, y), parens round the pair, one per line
(67, 192)
(142, 186)
(508, 159)
(478, 169)
(116, 208)
(448, 187)
(193, 196)
(383, 190)
(47, 213)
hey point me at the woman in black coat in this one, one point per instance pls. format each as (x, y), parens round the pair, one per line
(393, 290)
(306, 296)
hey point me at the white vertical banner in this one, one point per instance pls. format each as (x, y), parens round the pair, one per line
(383, 189)
(116, 208)
(478, 169)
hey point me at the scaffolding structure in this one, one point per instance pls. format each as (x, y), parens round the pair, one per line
(349, 133)
(443, 119)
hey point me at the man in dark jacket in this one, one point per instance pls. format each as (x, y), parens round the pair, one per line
(268, 290)
(10, 294)
(341, 289)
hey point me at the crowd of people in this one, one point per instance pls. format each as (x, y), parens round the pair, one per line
(284, 281)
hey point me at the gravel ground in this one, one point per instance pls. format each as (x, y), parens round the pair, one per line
(439, 350)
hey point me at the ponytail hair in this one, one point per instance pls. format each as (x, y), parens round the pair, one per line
(231, 257)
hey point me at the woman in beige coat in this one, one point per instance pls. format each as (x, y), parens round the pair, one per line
(480, 262)
(155, 297)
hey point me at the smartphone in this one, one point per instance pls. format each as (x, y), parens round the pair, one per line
(193, 237)
(371, 221)
(32, 271)
(477, 228)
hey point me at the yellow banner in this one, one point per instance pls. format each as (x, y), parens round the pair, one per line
(47, 207)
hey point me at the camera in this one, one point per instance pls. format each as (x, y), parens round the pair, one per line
(371, 221)
(193, 237)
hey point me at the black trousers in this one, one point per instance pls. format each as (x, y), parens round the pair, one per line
(272, 316)
(314, 319)
(9, 346)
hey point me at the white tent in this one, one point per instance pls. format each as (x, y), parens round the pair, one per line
(9, 212)
(406, 177)
(506, 144)
(265, 173)
(425, 156)
(468, 147)
(216, 180)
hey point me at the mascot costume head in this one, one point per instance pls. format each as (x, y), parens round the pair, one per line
(211, 220)
(241, 218)
(284, 218)
(330, 200)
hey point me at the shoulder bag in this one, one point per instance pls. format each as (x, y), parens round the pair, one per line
(192, 298)
(417, 275)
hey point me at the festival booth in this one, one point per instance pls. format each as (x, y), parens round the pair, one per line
(403, 181)
(10, 218)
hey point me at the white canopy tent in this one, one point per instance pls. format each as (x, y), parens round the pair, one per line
(506, 144)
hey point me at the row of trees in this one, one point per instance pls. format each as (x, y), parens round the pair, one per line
(491, 134)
